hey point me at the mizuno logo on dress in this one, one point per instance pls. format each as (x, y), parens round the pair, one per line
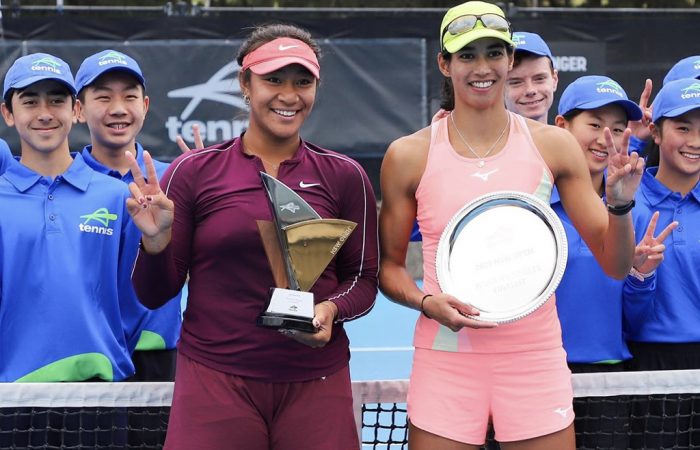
(562, 411)
(101, 216)
(291, 207)
(484, 176)
(308, 185)
(286, 47)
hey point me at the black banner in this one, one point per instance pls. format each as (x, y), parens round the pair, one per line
(192, 82)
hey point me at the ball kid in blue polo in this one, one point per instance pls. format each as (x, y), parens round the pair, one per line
(62, 241)
(662, 323)
(589, 302)
(112, 101)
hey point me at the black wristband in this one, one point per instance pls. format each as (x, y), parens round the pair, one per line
(620, 210)
(421, 305)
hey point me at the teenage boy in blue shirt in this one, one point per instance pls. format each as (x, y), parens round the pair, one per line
(112, 102)
(66, 225)
(533, 79)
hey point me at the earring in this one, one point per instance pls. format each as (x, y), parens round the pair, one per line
(246, 99)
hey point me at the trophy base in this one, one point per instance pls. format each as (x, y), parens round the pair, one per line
(280, 321)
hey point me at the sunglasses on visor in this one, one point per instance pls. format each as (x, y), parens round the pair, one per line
(463, 24)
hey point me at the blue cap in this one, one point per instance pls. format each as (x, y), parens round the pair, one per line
(676, 98)
(107, 60)
(531, 43)
(685, 68)
(594, 91)
(36, 67)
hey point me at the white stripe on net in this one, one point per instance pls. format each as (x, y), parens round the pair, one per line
(376, 391)
(86, 395)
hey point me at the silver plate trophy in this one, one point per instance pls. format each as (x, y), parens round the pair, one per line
(299, 245)
(504, 253)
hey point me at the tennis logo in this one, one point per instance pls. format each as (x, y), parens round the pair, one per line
(222, 87)
(610, 87)
(46, 64)
(101, 216)
(692, 91)
(113, 58)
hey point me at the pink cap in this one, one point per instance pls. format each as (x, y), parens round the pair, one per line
(279, 53)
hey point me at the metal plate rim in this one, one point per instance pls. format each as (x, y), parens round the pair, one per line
(553, 221)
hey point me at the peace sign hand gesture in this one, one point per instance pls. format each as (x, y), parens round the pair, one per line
(624, 171)
(650, 251)
(151, 211)
(640, 128)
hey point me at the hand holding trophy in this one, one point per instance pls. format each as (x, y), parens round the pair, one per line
(299, 245)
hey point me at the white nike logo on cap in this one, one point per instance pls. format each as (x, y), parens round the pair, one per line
(308, 185)
(283, 47)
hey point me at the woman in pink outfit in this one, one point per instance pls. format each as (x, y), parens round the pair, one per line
(468, 373)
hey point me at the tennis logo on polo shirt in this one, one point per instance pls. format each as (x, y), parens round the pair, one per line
(46, 64)
(113, 58)
(102, 216)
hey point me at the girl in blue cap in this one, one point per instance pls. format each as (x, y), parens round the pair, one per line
(467, 372)
(661, 306)
(592, 332)
(662, 324)
(589, 302)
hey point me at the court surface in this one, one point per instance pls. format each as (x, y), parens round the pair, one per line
(381, 343)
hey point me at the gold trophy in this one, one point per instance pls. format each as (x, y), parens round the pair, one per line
(299, 245)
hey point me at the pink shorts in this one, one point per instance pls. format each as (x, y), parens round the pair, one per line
(213, 410)
(525, 395)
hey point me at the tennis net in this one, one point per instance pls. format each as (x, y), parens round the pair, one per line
(636, 410)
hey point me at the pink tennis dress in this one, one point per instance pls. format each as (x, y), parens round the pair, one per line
(515, 374)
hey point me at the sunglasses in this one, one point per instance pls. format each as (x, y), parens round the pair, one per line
(463, 24)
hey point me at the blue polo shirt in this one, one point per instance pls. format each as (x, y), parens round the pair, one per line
(157, 329)
(669, 312)
(589, 303)
(62, 260)
(5, 156)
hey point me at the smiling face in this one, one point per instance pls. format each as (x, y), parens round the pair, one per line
(43, 114)
(114, 108)
(530, 87)
(478, 71)
(679, 148)
(280, 101)
(587, 127)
